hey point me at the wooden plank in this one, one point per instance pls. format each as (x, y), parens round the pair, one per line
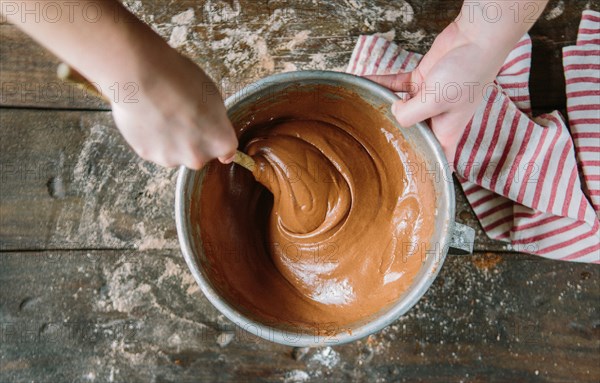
(238, 42)
(128, 316)
(28, 76)
(69, 181)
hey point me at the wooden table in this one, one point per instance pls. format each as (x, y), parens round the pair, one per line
(93, 285)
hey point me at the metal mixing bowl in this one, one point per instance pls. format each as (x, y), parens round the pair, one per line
(421, 140)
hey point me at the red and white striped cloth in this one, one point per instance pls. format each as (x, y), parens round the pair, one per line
(519, 172)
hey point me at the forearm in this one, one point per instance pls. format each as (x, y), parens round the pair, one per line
(499, 24)
(101, 39)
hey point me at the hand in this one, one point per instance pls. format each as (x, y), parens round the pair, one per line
(179, 117)
(447, 86)
(167, 108)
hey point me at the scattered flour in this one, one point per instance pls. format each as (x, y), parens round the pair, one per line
(410, 40)
(225, 338)
(134, 6)
(264, 57)
(124, 200)
(155, 328)
(180, 31)
(299, 39)
(123, 293)
(557, 11)
(389, 35)
(296, 376)
(178, 36)
(252, 45)
(325, 357)
(245, 48)
(184, 18)
(184, 276)
(217, 12)
(150, 242)
(289, 67)
(403, 12)
(323, 61)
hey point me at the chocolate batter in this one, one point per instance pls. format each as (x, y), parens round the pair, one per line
(334, 229)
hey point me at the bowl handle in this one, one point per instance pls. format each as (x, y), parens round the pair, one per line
(462, 240)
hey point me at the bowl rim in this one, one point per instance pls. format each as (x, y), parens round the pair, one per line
(397, 309)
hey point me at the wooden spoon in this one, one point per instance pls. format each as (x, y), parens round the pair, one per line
(66, 73)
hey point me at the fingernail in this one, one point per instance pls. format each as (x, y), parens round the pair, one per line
(226, 161)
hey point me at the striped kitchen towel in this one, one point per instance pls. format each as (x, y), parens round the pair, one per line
(521, 174)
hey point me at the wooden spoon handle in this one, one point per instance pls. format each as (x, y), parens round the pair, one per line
(66, 73)
(244, 160)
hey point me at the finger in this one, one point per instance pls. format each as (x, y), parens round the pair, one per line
(449, 148)
(450, 153)
(401, 82)
(415, 110)
(224, 145)
(169, 164)
(150, 155)
(448, 144)
(194, 164)
(227, 159)
(164, 161)
(449, 129)
(224, 149)
(142, 152)
(193, 158)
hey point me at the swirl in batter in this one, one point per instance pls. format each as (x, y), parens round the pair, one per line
(334, 229)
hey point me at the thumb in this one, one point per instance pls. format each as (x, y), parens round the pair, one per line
(224, 145)
(401, 82)
(228, 158)
(413, 111)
